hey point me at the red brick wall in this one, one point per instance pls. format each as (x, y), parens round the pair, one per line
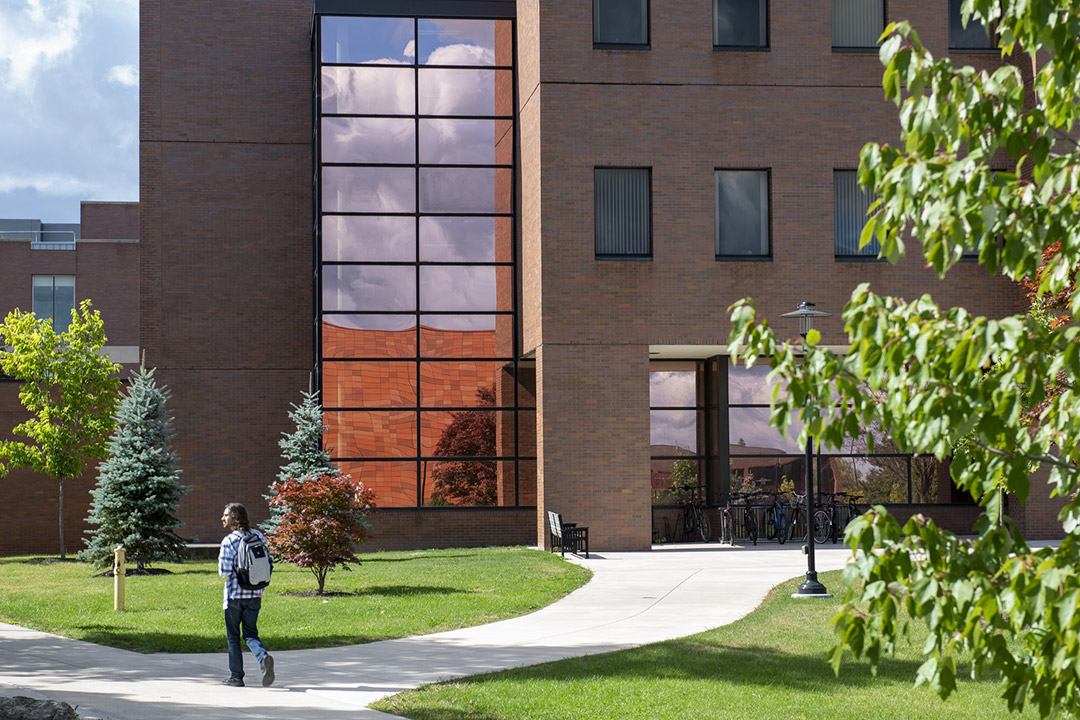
(225, 188)
(684, 110)
(402, 529)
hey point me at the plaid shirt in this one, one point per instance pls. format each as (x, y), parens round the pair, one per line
(230, 547)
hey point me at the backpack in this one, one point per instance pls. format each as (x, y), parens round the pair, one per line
(253, 564)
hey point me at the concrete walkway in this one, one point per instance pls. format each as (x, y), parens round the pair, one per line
(633, 599)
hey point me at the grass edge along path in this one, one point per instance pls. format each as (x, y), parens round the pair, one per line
(768, 665)
(390, 595)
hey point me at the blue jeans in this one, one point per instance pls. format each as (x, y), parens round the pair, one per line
(241, 617)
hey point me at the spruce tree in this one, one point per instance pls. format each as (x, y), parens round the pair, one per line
(302, 451)
(134, 503)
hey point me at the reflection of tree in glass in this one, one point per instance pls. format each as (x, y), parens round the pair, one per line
(881, 478)
(471, 433)
(683, 481)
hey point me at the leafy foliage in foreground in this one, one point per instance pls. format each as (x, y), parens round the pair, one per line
(932, 378)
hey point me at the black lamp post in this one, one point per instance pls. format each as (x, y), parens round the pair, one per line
(812, 587)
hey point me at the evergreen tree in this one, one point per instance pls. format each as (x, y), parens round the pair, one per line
(302, 451)
(134, 503)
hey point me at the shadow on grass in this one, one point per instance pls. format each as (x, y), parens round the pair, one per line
(149, 643)
(367, 559)
(683, 661)
(404, 590)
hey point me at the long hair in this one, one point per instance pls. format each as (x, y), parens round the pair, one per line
(239, 516)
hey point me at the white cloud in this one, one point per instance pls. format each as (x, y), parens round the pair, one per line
(39, 36)
(49, 184)
(123, 75)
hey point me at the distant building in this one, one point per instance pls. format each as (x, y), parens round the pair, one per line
(49, 269)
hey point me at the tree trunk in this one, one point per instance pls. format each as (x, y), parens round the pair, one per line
(63, 548)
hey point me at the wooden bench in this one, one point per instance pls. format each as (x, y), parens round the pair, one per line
(567, 537)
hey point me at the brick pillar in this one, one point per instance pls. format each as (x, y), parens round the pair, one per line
(593, 442)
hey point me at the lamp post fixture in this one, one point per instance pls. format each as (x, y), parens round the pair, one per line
(812, 588)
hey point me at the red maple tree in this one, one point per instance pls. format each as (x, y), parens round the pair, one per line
(323, 520)
(470, 434)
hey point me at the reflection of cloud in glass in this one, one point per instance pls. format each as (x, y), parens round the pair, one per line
(459, 322)
(674, 427)
(458, 239)
(748, 385)
(751, 425)
(460, 190)
(368, 140)
(457, 288)
(457, 42)
(372, 322)
(368, 189)
(352, 238)
(742, 201)
(381, 90)
(351, 287)
(456, 92)
(739, 22)
(366, 39)
(673, 389)
(461, 142)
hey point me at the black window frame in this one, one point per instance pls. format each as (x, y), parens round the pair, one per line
(596, 234)
(603, 45)
(764, 47)
(859, 48)
(768, 255)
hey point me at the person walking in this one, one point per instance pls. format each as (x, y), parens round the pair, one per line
(241, 606)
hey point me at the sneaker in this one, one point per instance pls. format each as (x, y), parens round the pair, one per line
(267, 665)
(233, 681)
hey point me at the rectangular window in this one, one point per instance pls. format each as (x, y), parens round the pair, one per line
(54, 299)
(623, 212)
(850, 204)
(740, 24)
(621, 22)
(742, 213)
(972, 37)
(857, 23)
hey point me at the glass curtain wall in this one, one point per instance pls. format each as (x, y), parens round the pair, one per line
(423, 396)
(764, 459)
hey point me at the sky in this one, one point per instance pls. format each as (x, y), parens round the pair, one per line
(69, 106)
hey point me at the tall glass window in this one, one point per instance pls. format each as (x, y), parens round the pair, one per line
(423, 394)
(54, 299)
(675, 431)
(742, 213)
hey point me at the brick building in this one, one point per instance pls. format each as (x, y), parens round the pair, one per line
(48, 269)
(501, 236)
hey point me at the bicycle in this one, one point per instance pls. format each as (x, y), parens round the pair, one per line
(696, 517)
(797, 525)
(826, 520)
(749, 517)
(776, 520)
(727, 522)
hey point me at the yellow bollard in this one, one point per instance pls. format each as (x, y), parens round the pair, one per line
(118, 578)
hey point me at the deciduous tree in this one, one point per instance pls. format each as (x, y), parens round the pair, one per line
(71, 390)
(324, 518)
(992, 603)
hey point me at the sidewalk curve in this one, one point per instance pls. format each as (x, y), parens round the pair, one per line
(633, 599)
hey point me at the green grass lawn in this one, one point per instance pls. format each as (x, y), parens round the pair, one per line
(770, 664)
(396, 594)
